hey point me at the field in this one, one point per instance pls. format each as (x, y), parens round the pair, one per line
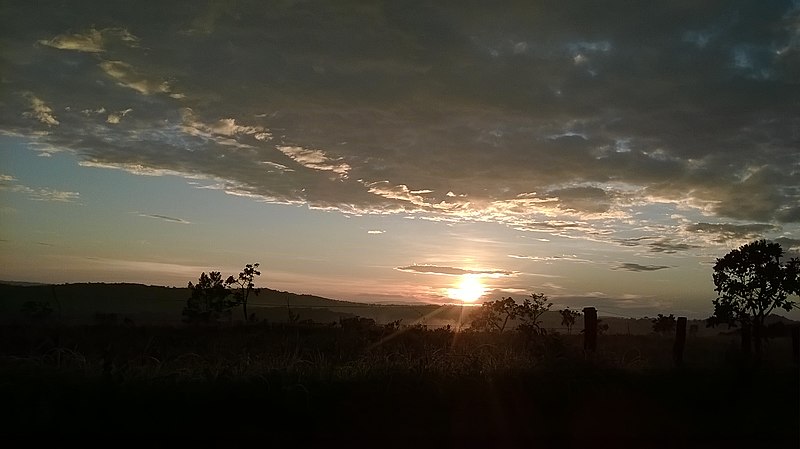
(383, 387)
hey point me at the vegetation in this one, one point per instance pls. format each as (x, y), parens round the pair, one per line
(664, 325)
(441, 387)
(209, 301)
(751, 282)
(504, 382)
(494, 316)
(243, 286)
(568, 318)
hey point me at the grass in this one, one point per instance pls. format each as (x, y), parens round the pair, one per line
(307, 383)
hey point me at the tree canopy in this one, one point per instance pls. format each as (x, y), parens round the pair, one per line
(751, 282)
(208, 302)
(494, 316)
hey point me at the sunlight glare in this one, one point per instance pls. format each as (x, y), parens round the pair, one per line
(469, 289)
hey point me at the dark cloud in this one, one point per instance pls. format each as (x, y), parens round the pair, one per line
(658, 244)
(724, 232)
(452, 271)
(637, 267)
(585, 199)
(788, 244)
(536, 112)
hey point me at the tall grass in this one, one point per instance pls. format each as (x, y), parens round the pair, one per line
(457, 389)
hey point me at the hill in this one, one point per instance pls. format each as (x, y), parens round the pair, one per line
(92, 302)
(85, 303)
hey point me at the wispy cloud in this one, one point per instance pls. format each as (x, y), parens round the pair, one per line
(315, 159)
(165, 218)
(91, 41)
(11, 184)
(548, 259)
(637, 267)
(453, 271)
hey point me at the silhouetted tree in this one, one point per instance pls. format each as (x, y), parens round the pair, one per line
(664, 324)
(529, 312)
(209, 301)
(750, 283)
(243, 286)
(494, 315)
(568, 318)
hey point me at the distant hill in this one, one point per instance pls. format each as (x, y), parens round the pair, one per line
(84, 302)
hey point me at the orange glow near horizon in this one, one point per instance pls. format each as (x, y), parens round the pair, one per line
(469, 289)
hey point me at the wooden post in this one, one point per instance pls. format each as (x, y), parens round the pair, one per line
(680, 341)
(589, 329)
(796, 343)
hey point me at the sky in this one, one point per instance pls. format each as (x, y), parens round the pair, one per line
(602, 153)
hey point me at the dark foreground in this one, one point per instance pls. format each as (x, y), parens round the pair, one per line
(300, 386)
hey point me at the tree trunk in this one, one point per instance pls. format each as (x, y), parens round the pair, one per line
(746, 338)
(758, 326)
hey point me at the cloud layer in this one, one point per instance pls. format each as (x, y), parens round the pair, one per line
(556, 117)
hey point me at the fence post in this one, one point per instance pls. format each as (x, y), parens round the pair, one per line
(589, 329)
(796, 343)
(680, 341)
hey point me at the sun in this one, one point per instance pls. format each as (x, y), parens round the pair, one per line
(469, 289)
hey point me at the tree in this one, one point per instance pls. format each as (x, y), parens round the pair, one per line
(494, 315)
(750, 283)
(664, 324)
(243, 286)
(568, 317)
(529, 312)
(209, 301)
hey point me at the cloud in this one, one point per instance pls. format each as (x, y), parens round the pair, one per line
(314, 159)
(10, 184)
(91, 41)
(724, 232)
(548, 259)
(452, 271)
(115, 117)
(636, 267)
(568, 122)
(41, 111)
(658, 244)
(788, 244)
(586, 199)
(127, 76)
(376, 231)
(166, 218)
